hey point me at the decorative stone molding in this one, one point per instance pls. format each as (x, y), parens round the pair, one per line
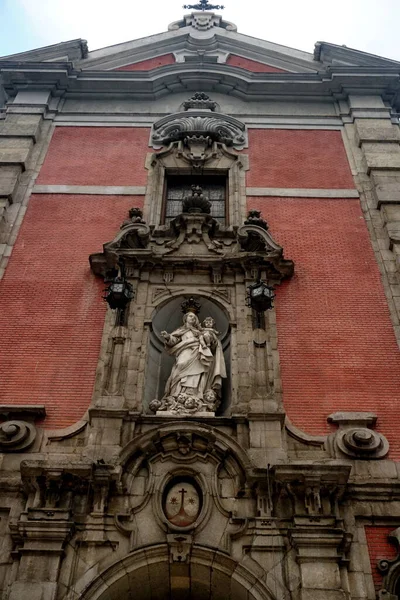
(201, 55)
(355, 438)
(16, 436)
(18, 432)
(179, 547)
(390, 569)
(201, 127)
(202, 21)
(313, 489)
(198, 128)
(214, 159)
(200, 100)
(53, 486)
(249, 249)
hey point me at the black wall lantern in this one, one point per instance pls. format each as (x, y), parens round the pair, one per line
(260, 296)
(119, 292)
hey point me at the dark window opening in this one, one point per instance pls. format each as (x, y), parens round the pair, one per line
(214, 190)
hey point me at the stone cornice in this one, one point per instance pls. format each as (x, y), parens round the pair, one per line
(333, 81)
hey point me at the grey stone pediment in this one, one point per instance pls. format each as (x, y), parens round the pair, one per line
(194, 236)
(333, 54)
(71, 51)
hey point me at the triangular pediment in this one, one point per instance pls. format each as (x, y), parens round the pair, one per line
(332, 54)
(201, 39)
(72, 51)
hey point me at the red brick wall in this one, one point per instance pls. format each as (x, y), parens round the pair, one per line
(298, 159)
(336, 341)
(51, 307)
(96, 156)
(252, 65)
(150, 63)
(379, 547)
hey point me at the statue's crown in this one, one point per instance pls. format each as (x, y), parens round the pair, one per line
(190, 305)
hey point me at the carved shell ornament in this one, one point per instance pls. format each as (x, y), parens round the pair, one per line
(199, 120)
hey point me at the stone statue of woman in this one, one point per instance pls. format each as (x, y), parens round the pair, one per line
(194, 384)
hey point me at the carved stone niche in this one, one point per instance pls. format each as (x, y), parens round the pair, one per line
(355, 437)
(169, 317)
(193, 251)
(390, 569)
(18, 431)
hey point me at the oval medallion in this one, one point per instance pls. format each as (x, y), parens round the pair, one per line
(182, 504)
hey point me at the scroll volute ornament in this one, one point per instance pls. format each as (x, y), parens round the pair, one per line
(355, 436)
(18, 431)
(16, 436)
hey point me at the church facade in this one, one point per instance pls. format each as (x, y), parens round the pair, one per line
(199, 320)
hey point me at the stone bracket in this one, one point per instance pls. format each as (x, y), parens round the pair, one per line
(314, 489)
(180, 546)
(355, 436)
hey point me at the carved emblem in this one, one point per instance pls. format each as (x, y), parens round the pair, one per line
(200, 100)
(182, 504)
(196, 203)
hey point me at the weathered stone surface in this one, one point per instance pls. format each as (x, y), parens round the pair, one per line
(376, 130)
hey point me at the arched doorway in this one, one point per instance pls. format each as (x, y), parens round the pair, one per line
(148, 574)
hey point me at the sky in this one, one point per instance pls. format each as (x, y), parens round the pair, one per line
(368, 25)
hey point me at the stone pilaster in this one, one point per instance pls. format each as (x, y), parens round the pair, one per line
(373, 140)
(22, 135)
(317, 533)
(40, 536)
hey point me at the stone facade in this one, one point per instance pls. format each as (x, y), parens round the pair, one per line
(279, 478)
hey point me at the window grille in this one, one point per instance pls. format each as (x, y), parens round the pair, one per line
(214, 190)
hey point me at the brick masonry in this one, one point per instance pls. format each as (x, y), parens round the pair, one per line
(336, 342)
(252, 65)
(51, 308)
(149, 64)
(96, 156)
(298, 159)
(379, 547)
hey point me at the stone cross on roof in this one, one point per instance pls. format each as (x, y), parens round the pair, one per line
(203, 5)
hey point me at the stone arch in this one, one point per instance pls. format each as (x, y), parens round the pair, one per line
(219, 443)
(148, 574)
